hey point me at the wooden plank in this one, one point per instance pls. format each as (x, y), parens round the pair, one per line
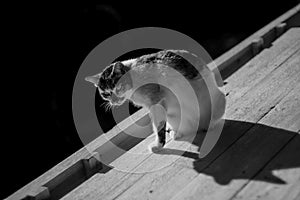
(139, 186)
(78, 167)
(156, 164)
(284, 78)
(129, 162)
(36, 188)
(233, 169)
(147, 185)
(285, 165)
(260, 66)
(118, 171)
(111, 189)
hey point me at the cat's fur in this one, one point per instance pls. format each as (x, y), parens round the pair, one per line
(153, 83)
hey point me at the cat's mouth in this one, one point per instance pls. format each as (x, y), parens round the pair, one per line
(115, 100)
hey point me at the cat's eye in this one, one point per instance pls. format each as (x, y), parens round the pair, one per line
(105, 95)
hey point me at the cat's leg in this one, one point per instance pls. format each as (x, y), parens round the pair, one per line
(173, 126)
(158, 117)
(177, 135)
(169, 128)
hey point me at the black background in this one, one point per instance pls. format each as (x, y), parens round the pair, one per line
(46, 44)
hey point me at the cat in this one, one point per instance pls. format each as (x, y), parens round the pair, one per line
(150, 81)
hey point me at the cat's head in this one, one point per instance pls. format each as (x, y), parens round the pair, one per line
(113, 83)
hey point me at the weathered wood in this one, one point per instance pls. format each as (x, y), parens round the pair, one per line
(137, 160)
(286, 163)
(267, 94)
(166, 187)
(148, 185)
(245, 157)
(36, 188)
(260, 66)
(81, 165)
(155, 164)
(95, 187)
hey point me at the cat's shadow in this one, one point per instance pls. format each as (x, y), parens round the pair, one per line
(228, 161)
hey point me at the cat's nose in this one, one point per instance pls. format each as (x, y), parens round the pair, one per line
(93, 79)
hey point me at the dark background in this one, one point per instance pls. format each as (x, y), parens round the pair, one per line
(47, 42)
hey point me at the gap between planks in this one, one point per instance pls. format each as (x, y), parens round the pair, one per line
(254, 189)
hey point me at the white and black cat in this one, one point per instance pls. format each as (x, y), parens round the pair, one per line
(138, 80)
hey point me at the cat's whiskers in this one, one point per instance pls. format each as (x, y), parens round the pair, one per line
(103, 104)
(107, 106)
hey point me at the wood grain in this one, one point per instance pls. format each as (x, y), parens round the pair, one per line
(260, 66)
(78, 167)
(286, 163)
(244, 158)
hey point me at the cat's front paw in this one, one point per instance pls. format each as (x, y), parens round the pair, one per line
(156, 147)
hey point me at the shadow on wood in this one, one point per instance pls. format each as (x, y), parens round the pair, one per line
(247, 155)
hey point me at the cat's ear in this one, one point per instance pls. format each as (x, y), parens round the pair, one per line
(93, 79)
